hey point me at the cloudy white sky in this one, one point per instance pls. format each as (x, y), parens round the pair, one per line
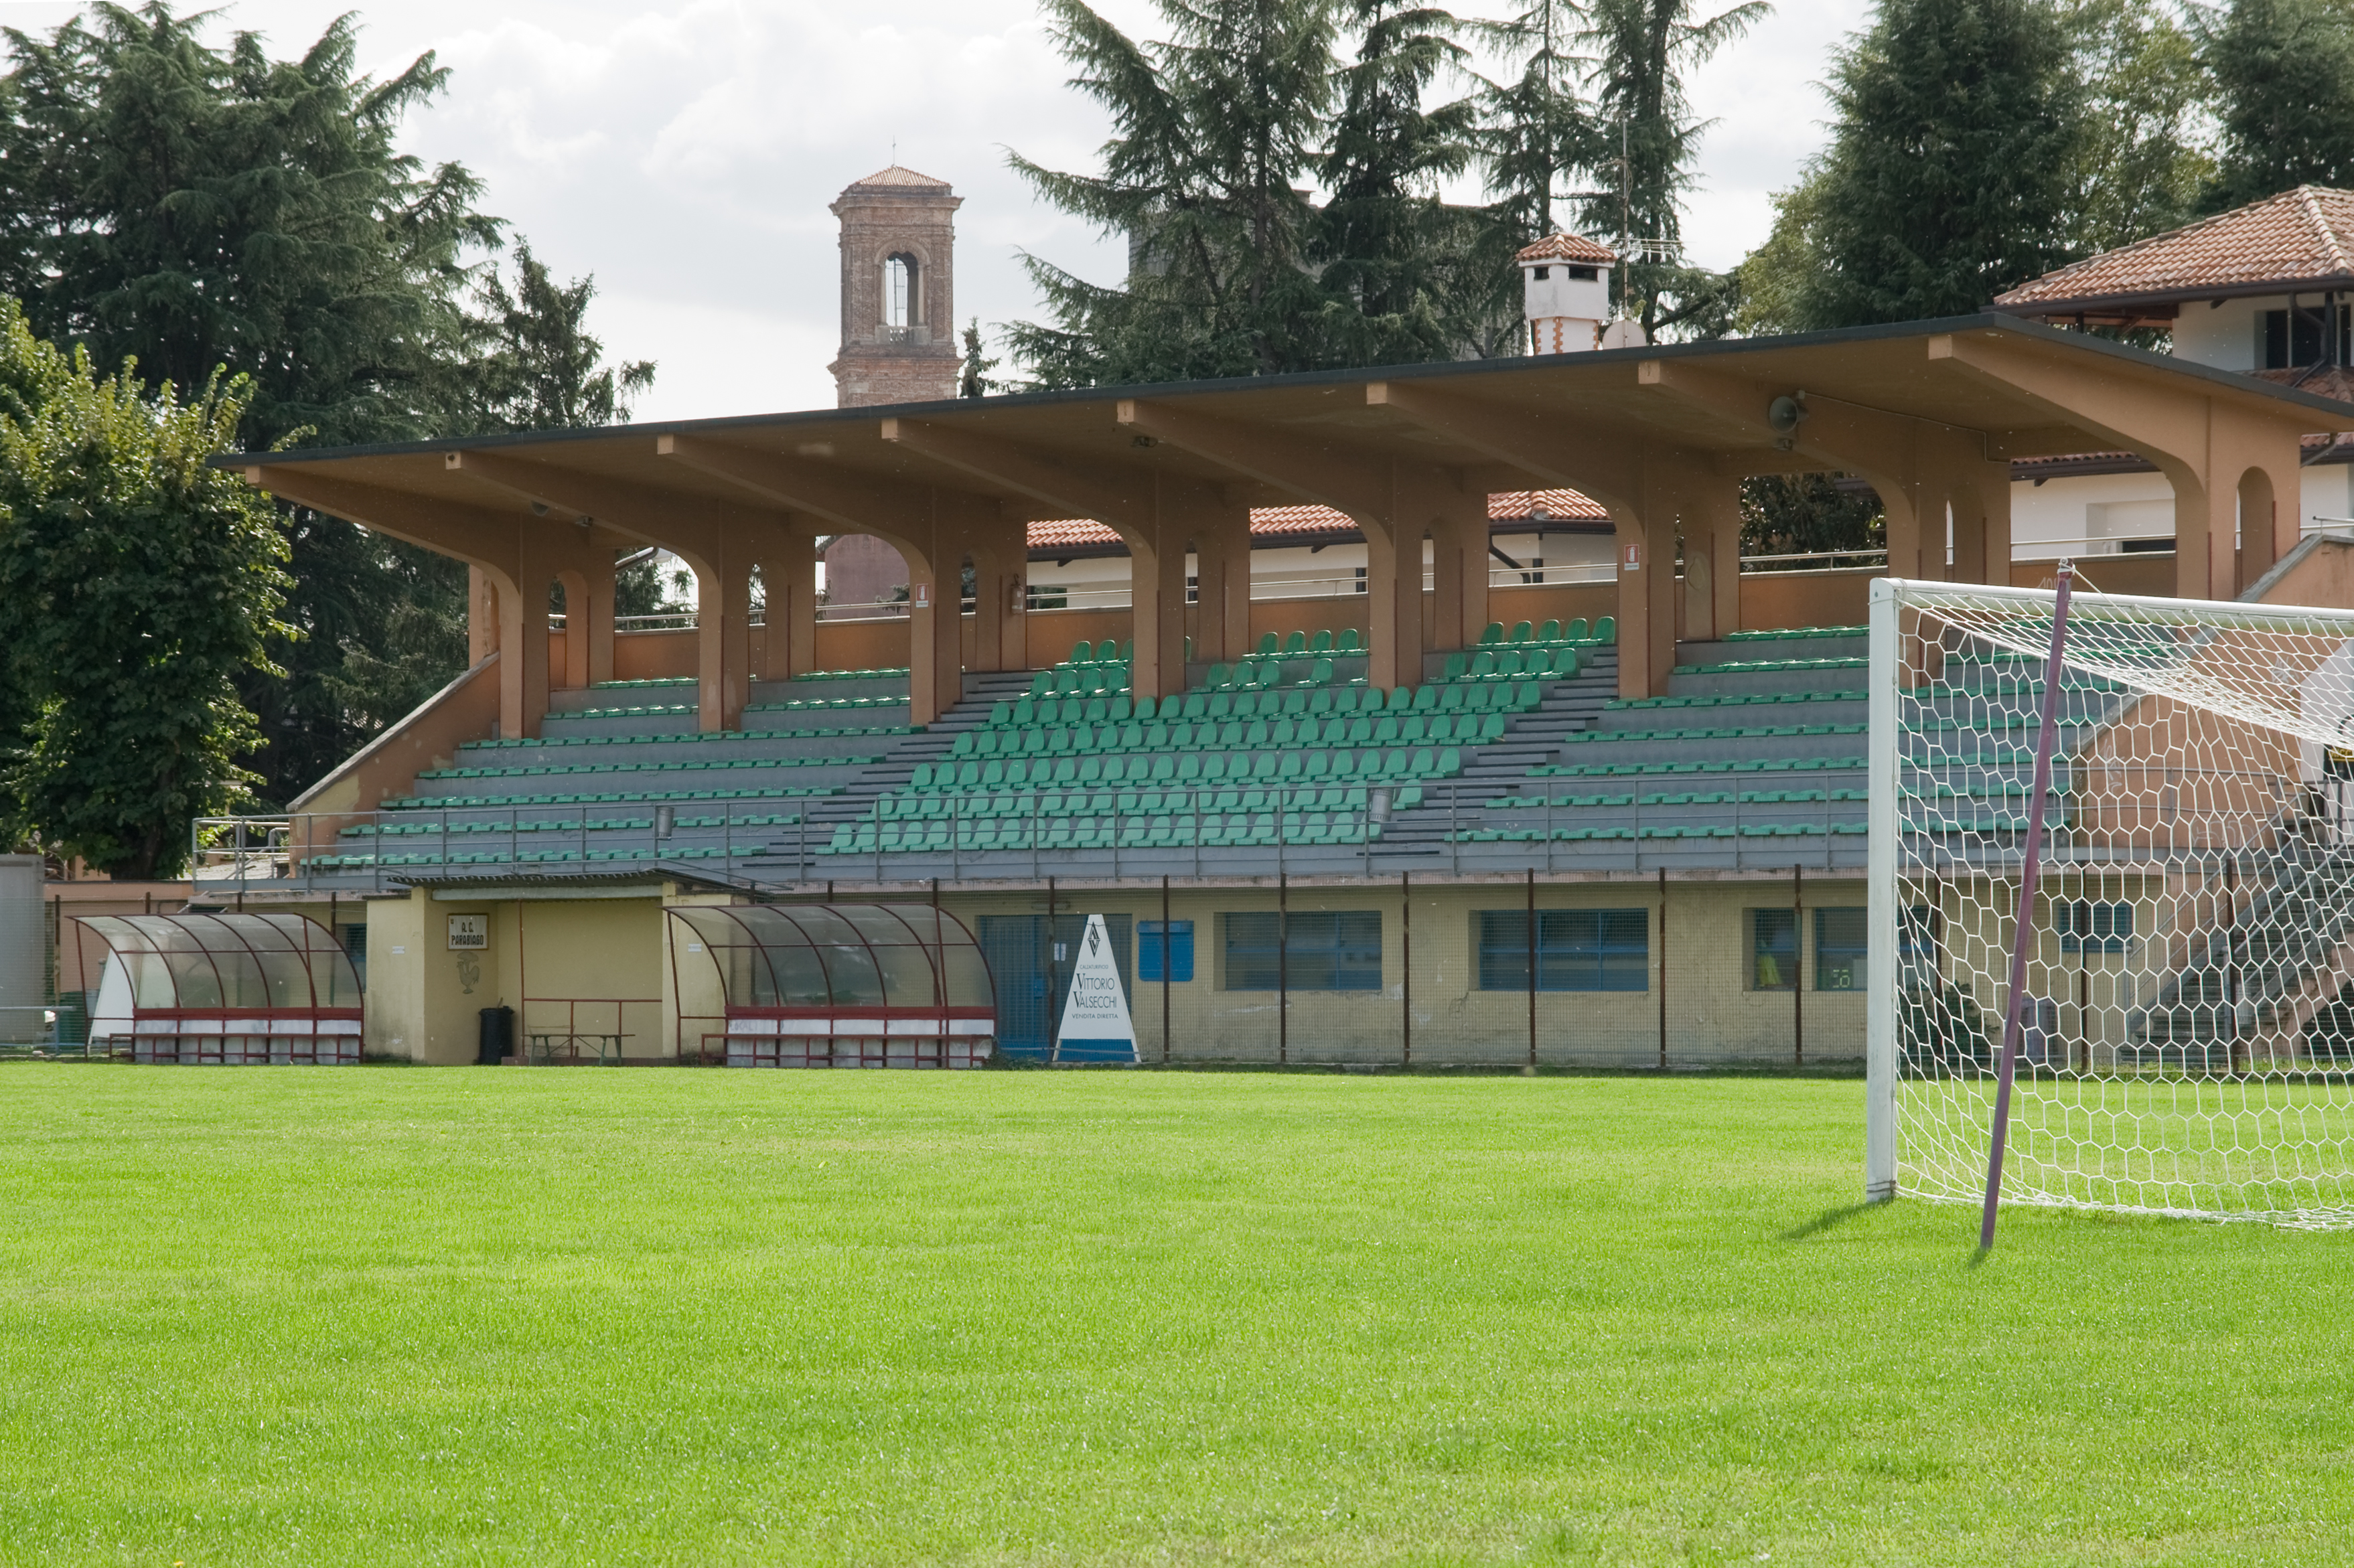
(685, 154)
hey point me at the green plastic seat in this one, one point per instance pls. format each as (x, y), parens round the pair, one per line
(1494, 634)
(1459, 664)
(1482, 666)
(1320, 673)
(1268, 643)
(1549, 633)
(1320, 644)
(1522, 632)
(1350, 643)
(1606, 631)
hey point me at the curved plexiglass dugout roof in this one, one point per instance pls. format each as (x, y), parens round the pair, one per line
(246, 964)
(842, 959)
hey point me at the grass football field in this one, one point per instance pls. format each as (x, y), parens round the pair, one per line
(386, 1317)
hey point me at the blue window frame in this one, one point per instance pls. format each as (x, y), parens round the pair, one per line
(1577, 950)
(1842, 947)
(1326, 951)
(1148, 949)
(2093, 926)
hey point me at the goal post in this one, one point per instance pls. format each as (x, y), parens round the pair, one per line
(2186, 1018)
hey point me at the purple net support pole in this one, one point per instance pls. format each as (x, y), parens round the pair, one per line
(2023, 925)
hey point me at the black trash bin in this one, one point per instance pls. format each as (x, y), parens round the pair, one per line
(498, 1036)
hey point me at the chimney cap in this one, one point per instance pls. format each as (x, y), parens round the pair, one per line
(1567, 247)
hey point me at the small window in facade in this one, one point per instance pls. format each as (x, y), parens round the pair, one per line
(1542, 273)
(1362, 585)
(1583, 274)
(1773, 949)
(1148, 950)
(2292, 339)
(1326, 951)
(1577, 950)
(2093, 926)
(902, 302)
(1842, 942)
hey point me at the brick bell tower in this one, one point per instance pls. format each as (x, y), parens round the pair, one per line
(898, 271)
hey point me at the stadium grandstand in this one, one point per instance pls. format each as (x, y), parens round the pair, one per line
(1381, 821)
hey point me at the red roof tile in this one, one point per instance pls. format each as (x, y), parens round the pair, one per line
(2302, 237)
(1567, 247)
(1322, 522)
(899, 175)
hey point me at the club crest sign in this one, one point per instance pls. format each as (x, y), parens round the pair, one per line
(1095, 1024)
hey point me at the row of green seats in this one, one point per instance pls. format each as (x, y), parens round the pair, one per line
(1511, 665)
(640, 710)
(1648, 770)
(1295, 701)
(1263, 674)
(1689, 831)
(1067, 681)
(637, 685)
(566, 825)
(1749, 732)
(1131, 802)
(1745, 699)
(1459, 728)
(1771, 667)
(544, 769)
(1678, 798)
(1108, 651)
(527, 857)
(529, 743)
(611, 797)
(824, 705)
(1793, 633)
(1239, 830)
(1605, 631)
(1273, 645)
(895, 672)
(1371, 766)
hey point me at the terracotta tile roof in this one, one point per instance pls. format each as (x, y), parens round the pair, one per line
(2321, 380)
(1567, 247)
(2318, 451)
(2303, 238)
(1322, 522)
(897, 175)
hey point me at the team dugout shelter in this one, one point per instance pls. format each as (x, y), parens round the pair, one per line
(1373, 827)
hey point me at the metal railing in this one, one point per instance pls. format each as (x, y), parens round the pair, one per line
(1116, 829)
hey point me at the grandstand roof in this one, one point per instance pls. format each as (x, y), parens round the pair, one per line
(1277, 526)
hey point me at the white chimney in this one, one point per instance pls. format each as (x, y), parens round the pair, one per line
(1566, 292)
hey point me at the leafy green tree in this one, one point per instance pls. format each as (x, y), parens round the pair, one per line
(1640, 52)
(1215, 130)
(1394, 255)
(1799, 513)
(2284, 76)
(2140, 159)
(137, 583)
(1948, 175)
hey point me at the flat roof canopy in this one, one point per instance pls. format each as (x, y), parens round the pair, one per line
(2028, 390)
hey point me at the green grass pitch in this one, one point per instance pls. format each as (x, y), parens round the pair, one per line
(487, 1318)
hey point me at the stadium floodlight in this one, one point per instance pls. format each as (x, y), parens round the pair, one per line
(2182, 1004)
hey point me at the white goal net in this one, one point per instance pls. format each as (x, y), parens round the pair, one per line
(2186, 1020)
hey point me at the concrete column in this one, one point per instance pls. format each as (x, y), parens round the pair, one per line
(1157, 590)
(1712, 537)
(789, 605)
(1459, 536)
(1646, 583)
(723, 645)
(523, 649)
(1393, 610)
(1000, 560)
(575, 674)
(481, 615)
(1222, 546)
(596, 618)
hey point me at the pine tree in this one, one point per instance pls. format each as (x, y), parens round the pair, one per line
(1641, 51)
(2284, 75)
(533, 365)
(1947, 178)
(1213, 130)
(2140, 161)
(1391, 253)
